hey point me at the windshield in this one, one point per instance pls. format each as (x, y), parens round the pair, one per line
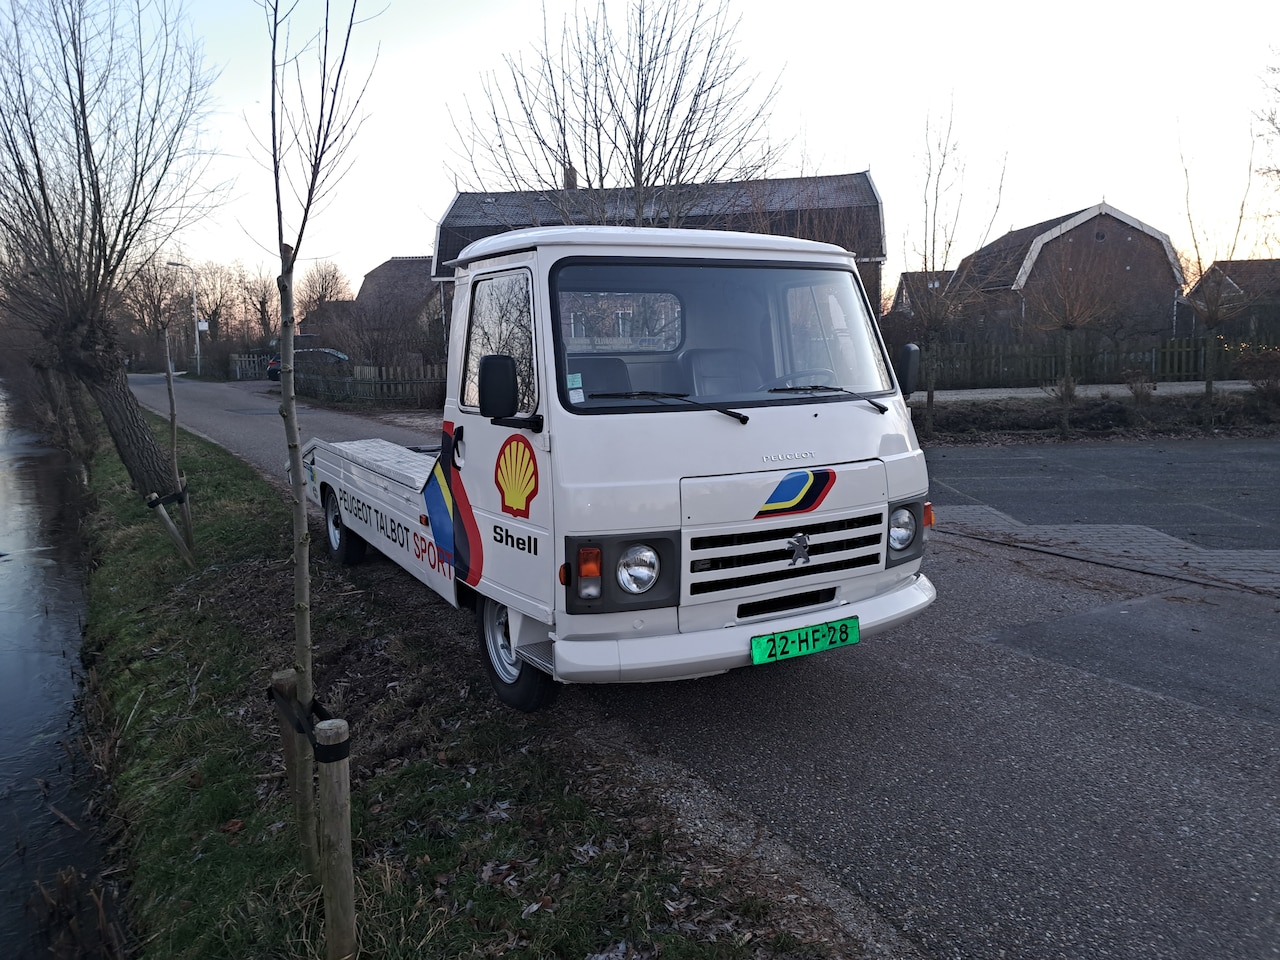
(645, 334)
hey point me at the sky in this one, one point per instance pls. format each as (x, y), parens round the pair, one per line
(1124, 101)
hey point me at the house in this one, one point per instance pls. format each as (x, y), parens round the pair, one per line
(843, 209)
(403, 288)
(1097, 268)
(397, 312)
(917, 289)
(1238, 297)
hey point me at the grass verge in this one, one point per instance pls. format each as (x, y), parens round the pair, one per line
(477, 832)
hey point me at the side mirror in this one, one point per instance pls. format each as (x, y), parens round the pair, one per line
(498, 391)
(908, 370)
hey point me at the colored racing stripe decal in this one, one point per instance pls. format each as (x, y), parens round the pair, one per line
(453, 524)
(798, 492)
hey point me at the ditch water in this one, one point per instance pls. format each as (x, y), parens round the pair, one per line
(45, 835)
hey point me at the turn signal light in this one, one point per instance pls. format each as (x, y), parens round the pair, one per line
(928, 515)
(589, 564)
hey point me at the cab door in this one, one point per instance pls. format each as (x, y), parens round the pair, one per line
(503, 466)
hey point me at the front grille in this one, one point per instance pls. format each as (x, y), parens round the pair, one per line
(792, 601)
(756, 557)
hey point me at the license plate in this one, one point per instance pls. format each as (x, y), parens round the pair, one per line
(796, 643)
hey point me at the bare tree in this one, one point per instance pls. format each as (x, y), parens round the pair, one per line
(1076, 287)
(1269, 116)
(314, 122)
(215, 296)
(936, 300)
(100, 103)
(263, 298)
(324, 282)
(1210, 293)
(632, 118)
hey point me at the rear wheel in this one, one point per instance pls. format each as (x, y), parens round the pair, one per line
(343, 546)
(519, 685)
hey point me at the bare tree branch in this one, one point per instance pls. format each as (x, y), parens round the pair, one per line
(666, 104)
(100, 163)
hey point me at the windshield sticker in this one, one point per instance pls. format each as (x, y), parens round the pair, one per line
(516, 474)
(800, 491)
(573, 381)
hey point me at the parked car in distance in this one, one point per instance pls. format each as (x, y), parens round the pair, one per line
(319, 361)
(322, 362)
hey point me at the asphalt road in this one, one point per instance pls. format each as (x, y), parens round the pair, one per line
(1217, 494)
(244, 417)
(1057, 760)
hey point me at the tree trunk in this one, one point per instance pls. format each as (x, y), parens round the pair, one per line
(134, 439)
(306, 810)
(1067, 385)
(930, 380)
(1210, 367)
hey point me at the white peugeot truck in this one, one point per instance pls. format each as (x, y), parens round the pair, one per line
(665, 454)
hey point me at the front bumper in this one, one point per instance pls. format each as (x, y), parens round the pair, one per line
(687, 655)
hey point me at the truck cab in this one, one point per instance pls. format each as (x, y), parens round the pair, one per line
(665, 454)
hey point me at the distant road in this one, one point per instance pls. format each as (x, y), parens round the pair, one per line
(244, 416)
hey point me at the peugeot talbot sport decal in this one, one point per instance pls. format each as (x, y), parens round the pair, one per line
(453, 525)
(516, 474)
(798, 492)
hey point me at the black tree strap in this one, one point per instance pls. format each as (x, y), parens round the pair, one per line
(293, 714)
(155, 500)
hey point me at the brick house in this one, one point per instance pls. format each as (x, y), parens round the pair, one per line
(398, 308)
(1246, 295)
(843, 209)
(1118, 276)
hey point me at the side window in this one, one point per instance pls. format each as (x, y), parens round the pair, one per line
(502, 323)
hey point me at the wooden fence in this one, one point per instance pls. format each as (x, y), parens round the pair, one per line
(420, 385)
(963, 366)
(248, 366)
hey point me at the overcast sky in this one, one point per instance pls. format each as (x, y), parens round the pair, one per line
(1079, 103)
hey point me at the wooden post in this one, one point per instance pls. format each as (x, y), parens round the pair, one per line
(335, 843)
(296, 749)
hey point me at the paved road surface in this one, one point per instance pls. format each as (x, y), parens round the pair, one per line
(1060, 760)
(244, 417)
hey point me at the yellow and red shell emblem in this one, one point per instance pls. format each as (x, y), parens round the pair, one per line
(516, 474)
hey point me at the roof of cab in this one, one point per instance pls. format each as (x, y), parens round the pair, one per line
(650, 238)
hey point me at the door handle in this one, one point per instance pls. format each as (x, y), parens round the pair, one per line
(457, 461)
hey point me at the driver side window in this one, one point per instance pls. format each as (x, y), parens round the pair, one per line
(501, 323)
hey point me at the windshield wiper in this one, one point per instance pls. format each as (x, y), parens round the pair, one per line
(658, 395)
(814, 387)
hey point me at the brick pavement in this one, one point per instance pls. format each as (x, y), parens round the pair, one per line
(1127, 547)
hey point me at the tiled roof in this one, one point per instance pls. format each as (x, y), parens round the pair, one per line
(996, 265)
(914, 287)
(401, 283)
(1007, 263)
(734, 205)
(1256, 279)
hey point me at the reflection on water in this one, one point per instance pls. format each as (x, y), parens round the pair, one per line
(43, 824)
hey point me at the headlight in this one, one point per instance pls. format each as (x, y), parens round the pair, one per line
(902, 528)
(638, 568)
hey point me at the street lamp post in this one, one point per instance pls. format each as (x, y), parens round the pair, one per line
(195, 320)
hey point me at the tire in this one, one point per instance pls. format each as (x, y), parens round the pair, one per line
(342, 545)
(518, 684)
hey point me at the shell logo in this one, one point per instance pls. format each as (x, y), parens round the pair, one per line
(516, 474)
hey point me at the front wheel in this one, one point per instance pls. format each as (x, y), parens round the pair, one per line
(343, 546)
(519, 685)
